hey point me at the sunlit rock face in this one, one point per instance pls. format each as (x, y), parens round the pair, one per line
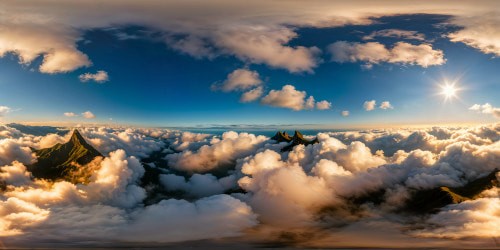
(441, 189)
(62, 160)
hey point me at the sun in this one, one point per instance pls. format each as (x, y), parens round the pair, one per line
(449, 91)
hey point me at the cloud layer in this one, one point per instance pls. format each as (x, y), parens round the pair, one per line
(240, 184)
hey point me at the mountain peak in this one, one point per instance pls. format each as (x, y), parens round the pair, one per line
(297, 139)
(281, 137)
(77, 137)
(60, 160)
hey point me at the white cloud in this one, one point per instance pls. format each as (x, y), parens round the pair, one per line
(486, 109)
(220, 152)
(479, 31)
(70, 114)
(109, 208)
(396, 33)
(478, 218)
(252, 95)
(179, 220)
(323, 105)
(309, 104)
(261, 44)
(345, 113)
(13, 150)
(283, 194)
(29, 39)
(369, 105)
(15, 174)
(289, 97)
(374, 53)
(44, 28)
(240, 79)
(308, 188)
(386, 105)
(100, 76)
(135, 142)
(88, 115)
(4, 110)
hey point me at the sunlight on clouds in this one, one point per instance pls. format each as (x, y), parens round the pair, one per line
(375, 53)
(306, 190)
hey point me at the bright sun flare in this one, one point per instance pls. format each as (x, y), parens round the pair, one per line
(449, 91)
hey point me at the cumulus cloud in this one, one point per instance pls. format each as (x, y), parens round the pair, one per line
(179, 220)
(252, 95)
(135, 142)
(240, 79)
(478, 218)
(4, 110)
(88, 115)
(70, 114)
(220, 152)
(100, 76)
(396, 33)
(386, 105)
(369, 105)
(374, 53)
(13, 150)
(323, 105)
(289, 97)
(486, 109)
(372, 105)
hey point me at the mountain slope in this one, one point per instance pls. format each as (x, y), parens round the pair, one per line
(58, 161)
(431, 200)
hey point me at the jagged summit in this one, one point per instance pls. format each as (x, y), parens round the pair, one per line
(282, 137)
(56, 162)
(297, 139)
(77, 136)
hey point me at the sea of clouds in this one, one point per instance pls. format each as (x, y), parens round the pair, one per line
(242, 185)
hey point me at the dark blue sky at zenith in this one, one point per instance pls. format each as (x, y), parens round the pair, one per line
(152, 84)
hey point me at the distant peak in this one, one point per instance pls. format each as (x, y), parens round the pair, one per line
(297, 134)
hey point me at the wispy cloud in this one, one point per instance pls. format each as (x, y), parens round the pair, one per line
(100, 76)
(88, 115)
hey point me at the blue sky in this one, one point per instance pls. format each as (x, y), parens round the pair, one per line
(151, 82)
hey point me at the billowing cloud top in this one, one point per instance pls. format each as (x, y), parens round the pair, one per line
(219, 186)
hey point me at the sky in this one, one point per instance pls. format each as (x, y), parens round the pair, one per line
(193, 63)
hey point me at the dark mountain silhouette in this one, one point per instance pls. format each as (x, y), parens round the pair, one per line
(60, 160)
(432, 200)
(425, 201)
(298, 139)
(282, 137)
